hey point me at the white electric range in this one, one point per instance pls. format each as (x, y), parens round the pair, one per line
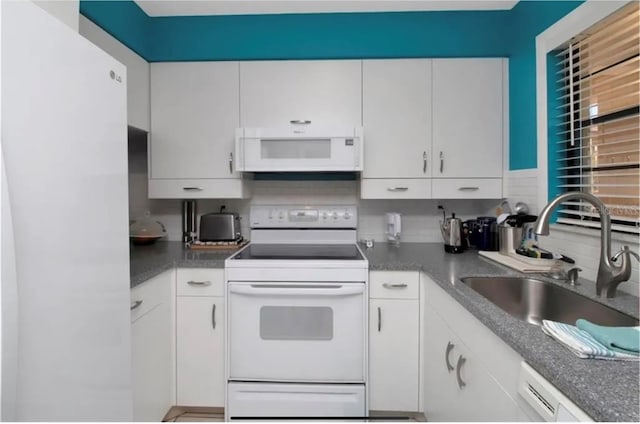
(297, 316)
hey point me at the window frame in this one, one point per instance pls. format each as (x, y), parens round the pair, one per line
(574, 23)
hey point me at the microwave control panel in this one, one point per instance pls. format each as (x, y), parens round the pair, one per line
(304, 216)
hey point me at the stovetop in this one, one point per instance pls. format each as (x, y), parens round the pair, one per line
(262, 251)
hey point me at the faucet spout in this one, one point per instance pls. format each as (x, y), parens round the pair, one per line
(609, 274)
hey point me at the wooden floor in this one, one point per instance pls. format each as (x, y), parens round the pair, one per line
(188, 414)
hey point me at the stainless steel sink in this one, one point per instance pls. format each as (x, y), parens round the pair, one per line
(533, 300)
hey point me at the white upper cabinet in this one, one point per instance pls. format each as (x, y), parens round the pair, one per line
(137, 78)
(194, 115)
(301, 93)
(468, 118)
(396, 116)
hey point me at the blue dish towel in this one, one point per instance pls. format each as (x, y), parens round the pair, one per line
(582, 344)
(620, 339)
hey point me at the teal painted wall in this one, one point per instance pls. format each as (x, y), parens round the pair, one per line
(353, 35)
(124, 20)
(329, 36)
(302, 36)
(528, 19)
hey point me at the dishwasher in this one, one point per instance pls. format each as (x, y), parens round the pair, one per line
(548, 403)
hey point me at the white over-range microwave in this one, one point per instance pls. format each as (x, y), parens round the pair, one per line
(299, 149)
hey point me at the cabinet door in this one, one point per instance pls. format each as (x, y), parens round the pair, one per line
(194, 115)
(151, 364)
(200, 351)
(467, 117)
(326, 93)
(396, 116)
(479, 396)
(440, 402)
(393, 355)
(457, 386)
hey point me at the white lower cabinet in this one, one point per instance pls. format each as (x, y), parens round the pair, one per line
(394, 341)
(469, 373)
(152, 348)
(200, 337)
(457, 387)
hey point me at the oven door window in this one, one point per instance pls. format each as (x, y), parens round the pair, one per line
(296, 323)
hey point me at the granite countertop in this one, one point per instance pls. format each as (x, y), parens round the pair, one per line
(148, 261)
(606, 390)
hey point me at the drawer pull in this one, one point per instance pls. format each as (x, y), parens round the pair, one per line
(199, 283)
(213, 316)
(461, 361)
(441, 162)
(231, 163)
(379, 319)
(136, 304)
(397, 188)
(424, 162)
(395, 286)
(192, 188)
(469, 188)
(300, 122)
(450, 347)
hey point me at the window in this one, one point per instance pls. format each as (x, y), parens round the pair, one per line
(597, 77)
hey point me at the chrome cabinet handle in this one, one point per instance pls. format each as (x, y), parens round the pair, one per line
(135, 304)
(450, 347)
(468, 188)
(192, 188)
(300, 122)
(424, 162)
(199, 283)
(231, 163)
(213, 316)
(397, 188)
(441, 162)
(379, 319)
(394, 286)
(461, 361)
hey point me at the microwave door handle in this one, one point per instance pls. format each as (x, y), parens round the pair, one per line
(296, 290)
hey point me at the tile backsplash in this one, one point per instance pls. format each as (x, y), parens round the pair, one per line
(420, 218)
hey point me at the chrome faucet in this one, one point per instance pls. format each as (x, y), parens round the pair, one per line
(610, 275)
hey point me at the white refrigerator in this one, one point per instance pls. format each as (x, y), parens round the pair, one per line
(66, 348)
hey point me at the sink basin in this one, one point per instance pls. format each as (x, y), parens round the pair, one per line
(533, 300)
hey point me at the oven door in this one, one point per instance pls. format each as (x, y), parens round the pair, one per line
(297, 332)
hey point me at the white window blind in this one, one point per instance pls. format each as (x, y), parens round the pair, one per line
(598, 105)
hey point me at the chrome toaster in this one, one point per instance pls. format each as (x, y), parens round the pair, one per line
(220, 227)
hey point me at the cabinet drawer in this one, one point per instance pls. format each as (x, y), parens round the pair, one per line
(232, 188)
(467, 188)
(394, 284)
(400, 188)
(200, 282)
(151, 293)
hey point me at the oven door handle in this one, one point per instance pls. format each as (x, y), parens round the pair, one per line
(297, 290)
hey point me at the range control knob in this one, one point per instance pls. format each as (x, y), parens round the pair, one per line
(281, 215)
(325, 215)
(335, 215)
(347, 215)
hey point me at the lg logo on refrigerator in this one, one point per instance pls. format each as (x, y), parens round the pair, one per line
(115, 76)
